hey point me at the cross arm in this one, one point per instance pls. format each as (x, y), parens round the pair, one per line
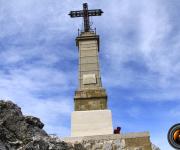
(78, 13)
(95, 12)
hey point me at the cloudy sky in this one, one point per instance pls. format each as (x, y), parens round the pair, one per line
(139, 58)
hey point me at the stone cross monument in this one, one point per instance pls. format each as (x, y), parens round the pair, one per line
(91, 115)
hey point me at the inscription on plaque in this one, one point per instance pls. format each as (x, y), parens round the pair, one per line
(89, 79)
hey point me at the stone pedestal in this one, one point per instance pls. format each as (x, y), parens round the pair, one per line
(94, 122)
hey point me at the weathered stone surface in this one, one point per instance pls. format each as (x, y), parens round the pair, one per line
(18, 132)
(47, 143)
(34, 121)
(92, 99)
(90, 93)
(129, 141)
(14, 127)
(88, 46)
(99, 143)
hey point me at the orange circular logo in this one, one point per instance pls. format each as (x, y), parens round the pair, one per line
(174, 136)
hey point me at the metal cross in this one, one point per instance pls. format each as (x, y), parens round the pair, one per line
(85, 13)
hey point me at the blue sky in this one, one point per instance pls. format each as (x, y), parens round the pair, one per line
(139, 58)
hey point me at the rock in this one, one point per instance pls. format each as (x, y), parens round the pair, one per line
(79, 146)
(14, 127)
(47, 143)
(154, 147)
(107, 146)
(34, 121)
(18, 132)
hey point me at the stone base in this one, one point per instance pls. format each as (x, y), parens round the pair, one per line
(94, 122)
(128, 141)
(90, 99)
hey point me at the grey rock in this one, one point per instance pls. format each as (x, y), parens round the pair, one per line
(18, 132)
(79, 146)
(34, 121)
(3, 146)
(154, 147)
(107, 146)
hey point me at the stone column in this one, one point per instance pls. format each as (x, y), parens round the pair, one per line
(90, 95)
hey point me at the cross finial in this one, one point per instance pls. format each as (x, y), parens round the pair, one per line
(85, 13)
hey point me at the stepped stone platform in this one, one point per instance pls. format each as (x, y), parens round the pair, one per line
(127, 141)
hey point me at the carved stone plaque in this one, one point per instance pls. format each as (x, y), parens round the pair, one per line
(89, 79)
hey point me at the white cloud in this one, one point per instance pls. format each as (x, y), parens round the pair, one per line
(134, 112)
(140, 36)
(174, 112)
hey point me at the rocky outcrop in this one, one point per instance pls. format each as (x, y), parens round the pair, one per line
(18, 132)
